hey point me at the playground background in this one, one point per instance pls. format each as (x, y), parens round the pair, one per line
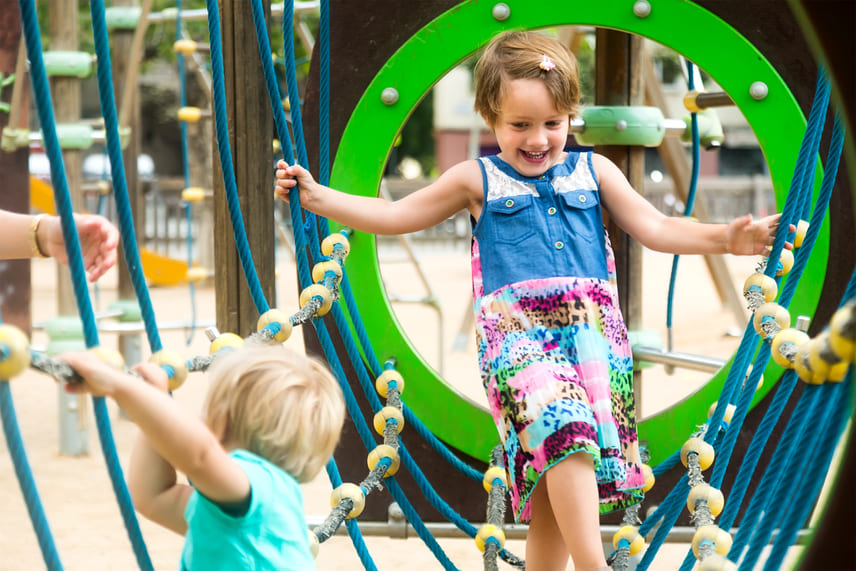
(76, 491)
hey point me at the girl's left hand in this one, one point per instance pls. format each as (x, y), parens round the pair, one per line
(747, 237)
(98, 241)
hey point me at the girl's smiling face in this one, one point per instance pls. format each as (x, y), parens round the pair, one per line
(530, 131)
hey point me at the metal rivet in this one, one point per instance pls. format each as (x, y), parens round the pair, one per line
(621, 125)
(758, 90)
(642, 8)
(501, 12)
(389, 96)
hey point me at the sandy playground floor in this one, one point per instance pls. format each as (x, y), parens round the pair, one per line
(76, 491)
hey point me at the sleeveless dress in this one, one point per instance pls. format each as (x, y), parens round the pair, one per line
(553, 349)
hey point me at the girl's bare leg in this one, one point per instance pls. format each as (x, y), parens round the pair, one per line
(545, 548)
(573, 497)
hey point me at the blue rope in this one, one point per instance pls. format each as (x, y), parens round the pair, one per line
(223, 145)
(690, 200)
(813, 136)
(351, 524)
(18, 452)
(324, 95)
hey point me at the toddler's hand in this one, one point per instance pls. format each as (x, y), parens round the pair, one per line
(99, 378)
(153, 374)
(287, 177)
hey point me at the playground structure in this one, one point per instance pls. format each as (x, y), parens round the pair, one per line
(386, 117)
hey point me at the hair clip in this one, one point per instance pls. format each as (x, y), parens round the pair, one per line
(547, 64)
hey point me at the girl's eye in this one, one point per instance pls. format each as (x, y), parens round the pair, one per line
(519, 125)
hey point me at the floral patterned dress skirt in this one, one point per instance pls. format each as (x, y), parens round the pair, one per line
(556, 365)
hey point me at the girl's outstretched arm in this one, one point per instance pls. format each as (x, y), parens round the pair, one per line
(457, 189)
(678, 235)
(182, 440)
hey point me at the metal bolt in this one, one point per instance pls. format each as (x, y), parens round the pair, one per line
(642, 8)
(389, 96)
(802, 323)
(621, 125)
(501, 12)
(758, 90)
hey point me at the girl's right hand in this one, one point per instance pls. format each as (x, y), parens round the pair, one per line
(287, 177)
(153, 374)
(99, 378)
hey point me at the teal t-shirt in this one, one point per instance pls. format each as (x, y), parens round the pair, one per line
(271, 535)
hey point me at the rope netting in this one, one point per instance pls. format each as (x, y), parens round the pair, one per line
(778, 504)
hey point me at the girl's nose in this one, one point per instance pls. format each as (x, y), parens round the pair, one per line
(538, 137)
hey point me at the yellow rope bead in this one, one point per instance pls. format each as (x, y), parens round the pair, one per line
(763, 283)
(110, 356)
(765, 313)
(704, 450)
(650, 479)
(382, 382)
(226, 340)
(15, 357)
(487, 532)
(491, 475)
(329, 243)
(802, 228)
(317, 290)
(714, 498)
(785, 343)
(721, 539)
(276, 316)
(384, 451)
(631, 534)
(176, 361)
(320, 269)
(386, 413)
(353, 491)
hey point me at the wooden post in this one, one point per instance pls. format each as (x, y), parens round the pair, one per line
(121, 50)
(14, 274)
(618, 81)
(66, 96)
(250, 133)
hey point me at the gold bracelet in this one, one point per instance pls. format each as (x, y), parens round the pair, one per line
(35, 249)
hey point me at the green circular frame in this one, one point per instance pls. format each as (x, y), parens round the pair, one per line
(426, 57)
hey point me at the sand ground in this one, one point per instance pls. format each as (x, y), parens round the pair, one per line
(76, 491)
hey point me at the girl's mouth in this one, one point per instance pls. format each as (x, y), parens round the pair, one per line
(534, 156)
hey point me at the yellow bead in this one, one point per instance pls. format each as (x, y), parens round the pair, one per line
(787, 339)
(714, 498)
(721, 539)
(842, 332)
(320, 269)
(189, 114)
(353, 491)
(767, 311)
(704, 450)
(786, 258)
(330, 242)
(14, 352)
(491, 475)
(631, 534)
(726, 416)
(317, 290)
(802, 228)
(314, 544)
(802, 365)
(276, 316)
(184, 47)
(818, 350)
(650, 479)
(489, 531)
(386, 413)
(224, 341)
(382, 382)
(166, 357)
(763, 283)
(193, 194)
(197, 274)
(384, 451)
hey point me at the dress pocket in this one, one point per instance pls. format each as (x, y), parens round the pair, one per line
(583, 221)
(513, 218)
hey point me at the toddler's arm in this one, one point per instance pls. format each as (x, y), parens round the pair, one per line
(457, 189)
(679, 235)
(182, 440)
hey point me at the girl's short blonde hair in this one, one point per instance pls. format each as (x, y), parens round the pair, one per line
(280, 405)
(518, 55)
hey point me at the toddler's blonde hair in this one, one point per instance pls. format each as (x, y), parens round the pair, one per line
(280, 405)
(518, 55)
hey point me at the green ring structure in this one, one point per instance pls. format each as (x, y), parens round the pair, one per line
(456, 34)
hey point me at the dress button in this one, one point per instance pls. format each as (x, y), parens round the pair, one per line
(509, 203)
(551, 210)
(582, 198)
(560, 245)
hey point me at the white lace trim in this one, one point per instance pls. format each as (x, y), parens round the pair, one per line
(500, 185)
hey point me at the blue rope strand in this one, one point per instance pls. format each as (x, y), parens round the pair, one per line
(351, 524)
(223, 145)
(27, 483)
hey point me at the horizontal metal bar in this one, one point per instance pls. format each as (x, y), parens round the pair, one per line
(675, 359)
